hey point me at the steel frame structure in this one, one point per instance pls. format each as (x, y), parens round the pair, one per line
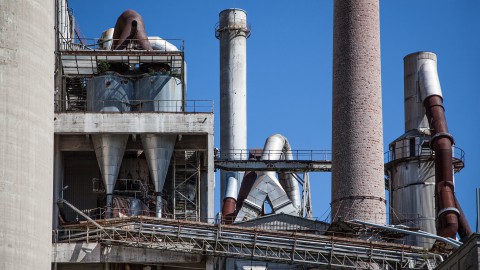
(248, 243)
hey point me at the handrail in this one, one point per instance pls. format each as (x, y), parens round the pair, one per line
(95, 44)
(137, 106)
(244, 154)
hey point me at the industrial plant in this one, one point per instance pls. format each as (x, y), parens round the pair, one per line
(116, 167)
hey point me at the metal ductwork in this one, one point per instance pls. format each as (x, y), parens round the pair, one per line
(277, 147)
(130, 28)
(159, 93)
(267, 186)
(441, 142)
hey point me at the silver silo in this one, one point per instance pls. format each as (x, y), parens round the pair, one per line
(26, 141)
(109, 93)
(159, 93)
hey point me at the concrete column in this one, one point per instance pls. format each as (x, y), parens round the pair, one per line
(233, 33)
(57, 180)
(207, 185)
(26, 133)
(358, 189)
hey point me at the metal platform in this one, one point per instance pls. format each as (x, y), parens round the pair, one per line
(247, 243)
(303, 161)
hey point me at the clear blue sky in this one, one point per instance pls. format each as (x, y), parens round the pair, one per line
(290, 67)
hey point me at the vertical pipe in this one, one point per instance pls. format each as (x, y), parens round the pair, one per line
(358, 188)
(27, 42)
(232, 33)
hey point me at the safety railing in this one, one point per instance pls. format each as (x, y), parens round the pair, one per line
(421, 151)
(135, 106)
(297, 155)
(105, 44)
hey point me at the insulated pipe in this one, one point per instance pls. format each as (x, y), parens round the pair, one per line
(277, 147)
(232, 33)
(130, 26)
(441, 142)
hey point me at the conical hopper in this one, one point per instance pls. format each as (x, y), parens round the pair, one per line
(158, 151)
(109, 149)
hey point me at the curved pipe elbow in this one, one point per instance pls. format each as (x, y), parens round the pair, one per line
(429, 82)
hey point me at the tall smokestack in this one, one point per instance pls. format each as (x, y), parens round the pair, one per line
(233, 32)
(27, 42)
(358, 189)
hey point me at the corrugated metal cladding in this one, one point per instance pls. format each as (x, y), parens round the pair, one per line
(284, 222)
(79, 172)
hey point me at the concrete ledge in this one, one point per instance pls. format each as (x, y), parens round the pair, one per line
(96, 253)
(89, 123)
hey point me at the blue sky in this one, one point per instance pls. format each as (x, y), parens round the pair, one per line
(289, 67)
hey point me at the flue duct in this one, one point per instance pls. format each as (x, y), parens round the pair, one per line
(441, 143)
(130, 28)
(26, 139)
(159, 93)
(358, 186)
(232, 31)
(268, 187)
(109, 93)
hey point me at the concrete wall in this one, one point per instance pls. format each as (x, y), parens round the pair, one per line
(358, 189)
(26, 133)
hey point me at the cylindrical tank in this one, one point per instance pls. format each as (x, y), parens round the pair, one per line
(27, 56)
(109, 93)
(159, 93)
(232, 32)
(358, 186)
(412, 177)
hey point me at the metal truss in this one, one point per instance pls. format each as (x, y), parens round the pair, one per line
(247, 243)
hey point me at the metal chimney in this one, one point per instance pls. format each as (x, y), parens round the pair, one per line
(358, 188)
(232, 31)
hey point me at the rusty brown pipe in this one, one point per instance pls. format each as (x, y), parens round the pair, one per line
(464, 230)
(228, 210)
(442, 143)
(130, 26)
